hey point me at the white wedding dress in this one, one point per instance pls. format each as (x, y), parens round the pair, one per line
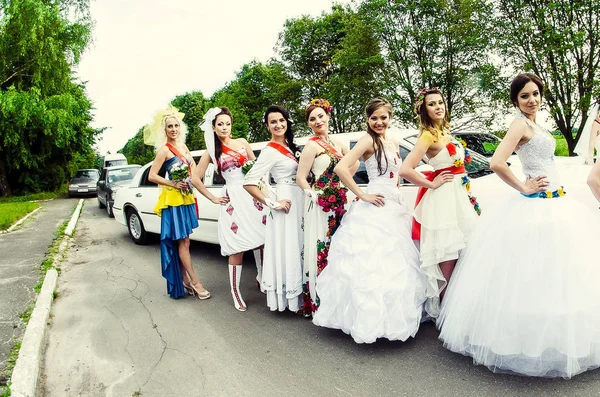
(524, 297)
(373, 287)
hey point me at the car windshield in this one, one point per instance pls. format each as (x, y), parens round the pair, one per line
(122, 174)
(86, 174)
(113, 163)
(478, 166)
(481, 143)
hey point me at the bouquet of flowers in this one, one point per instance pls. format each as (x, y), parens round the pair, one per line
(247, 166)
(181, 173)
(331, 197)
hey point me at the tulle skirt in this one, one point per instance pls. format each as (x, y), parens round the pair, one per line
(372, 287)
(447, 217)
(524, 296)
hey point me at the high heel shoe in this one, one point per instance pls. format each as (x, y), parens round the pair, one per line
(205, 294)
(188, 288)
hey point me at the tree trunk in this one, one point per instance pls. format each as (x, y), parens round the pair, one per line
(5, 189)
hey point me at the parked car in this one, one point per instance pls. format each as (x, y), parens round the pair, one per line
(480, 142)
(134, 204)
(84, 182)
(111, 180)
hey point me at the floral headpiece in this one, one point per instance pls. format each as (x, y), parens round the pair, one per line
(321, 103)
(154, 129)
(421, 98)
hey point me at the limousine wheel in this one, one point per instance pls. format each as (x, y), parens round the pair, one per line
(136, 228)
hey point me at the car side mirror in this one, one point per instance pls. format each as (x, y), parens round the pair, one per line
(101, 183)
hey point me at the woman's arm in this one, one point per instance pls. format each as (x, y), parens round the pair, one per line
(159, 160)
(306, 161)
(345, 150)
(344, 170)
(514, 136)
(249, 151)
(407, 169)
(263, 165)
(593, 180)
(197, 176)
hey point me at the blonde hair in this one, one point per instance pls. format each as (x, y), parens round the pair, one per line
(161, 139)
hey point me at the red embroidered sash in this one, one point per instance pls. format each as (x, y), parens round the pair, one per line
(283, 150)
(235, 154)
(326, 146)
(430, 175)
(184, 160)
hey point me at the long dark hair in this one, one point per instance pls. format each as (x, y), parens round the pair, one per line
(218, 144)
(374, 105)
(289, 132)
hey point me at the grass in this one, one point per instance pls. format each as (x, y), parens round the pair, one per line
(33, 197)
(561, 146)
(12, 212)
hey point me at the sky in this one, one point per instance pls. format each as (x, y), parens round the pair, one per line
(146, 52)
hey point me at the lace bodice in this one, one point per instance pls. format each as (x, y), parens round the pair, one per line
(388, 182)
(537, 156)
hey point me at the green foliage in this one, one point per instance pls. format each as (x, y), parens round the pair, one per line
(136, 151)
(334, 56)
(194, 105)
(12, 212)
(437, 43)
(33, 197)
(559, 40)
(45, 130)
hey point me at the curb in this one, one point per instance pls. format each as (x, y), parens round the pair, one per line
(12, 227)
(24, 379)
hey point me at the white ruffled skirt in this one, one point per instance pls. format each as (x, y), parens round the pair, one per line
(524, 297)
(447, 217)
(372, 287)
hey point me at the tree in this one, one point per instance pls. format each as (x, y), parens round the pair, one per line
(45, 113)
(136, 151)
(194, 105)
(559, 40)
(437, 43)
(255, 87)
(334, 56)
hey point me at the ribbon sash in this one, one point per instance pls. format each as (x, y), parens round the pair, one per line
(236, 155)
(185, 161)
(326, 146)
(430, 176)
(283, 150)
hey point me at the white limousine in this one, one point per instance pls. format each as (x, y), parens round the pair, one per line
(133, 206)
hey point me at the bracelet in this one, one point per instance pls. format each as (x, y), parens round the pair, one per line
(270, 204)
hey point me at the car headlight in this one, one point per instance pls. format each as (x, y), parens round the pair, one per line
(74, 185)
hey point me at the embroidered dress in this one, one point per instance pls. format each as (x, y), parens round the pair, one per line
(446, 216)
(524, 296)
(178, 218)
(284, 240)
(241, 221)
(372, 286)
(320, 226)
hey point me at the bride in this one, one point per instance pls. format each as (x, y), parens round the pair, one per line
(372, 287)
(524, 298)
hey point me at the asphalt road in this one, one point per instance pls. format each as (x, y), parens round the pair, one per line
(115, 332)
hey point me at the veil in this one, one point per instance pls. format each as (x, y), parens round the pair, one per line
(209, 136)
(583, 145)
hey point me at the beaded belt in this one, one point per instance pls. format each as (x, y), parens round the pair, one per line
(286, 181)
(548, 194)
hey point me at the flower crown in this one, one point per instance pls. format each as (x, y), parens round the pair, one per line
(321, 103)
(421, 98)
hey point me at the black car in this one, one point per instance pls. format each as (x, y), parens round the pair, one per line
(84, 182)
(111, 180)
(480, 142)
